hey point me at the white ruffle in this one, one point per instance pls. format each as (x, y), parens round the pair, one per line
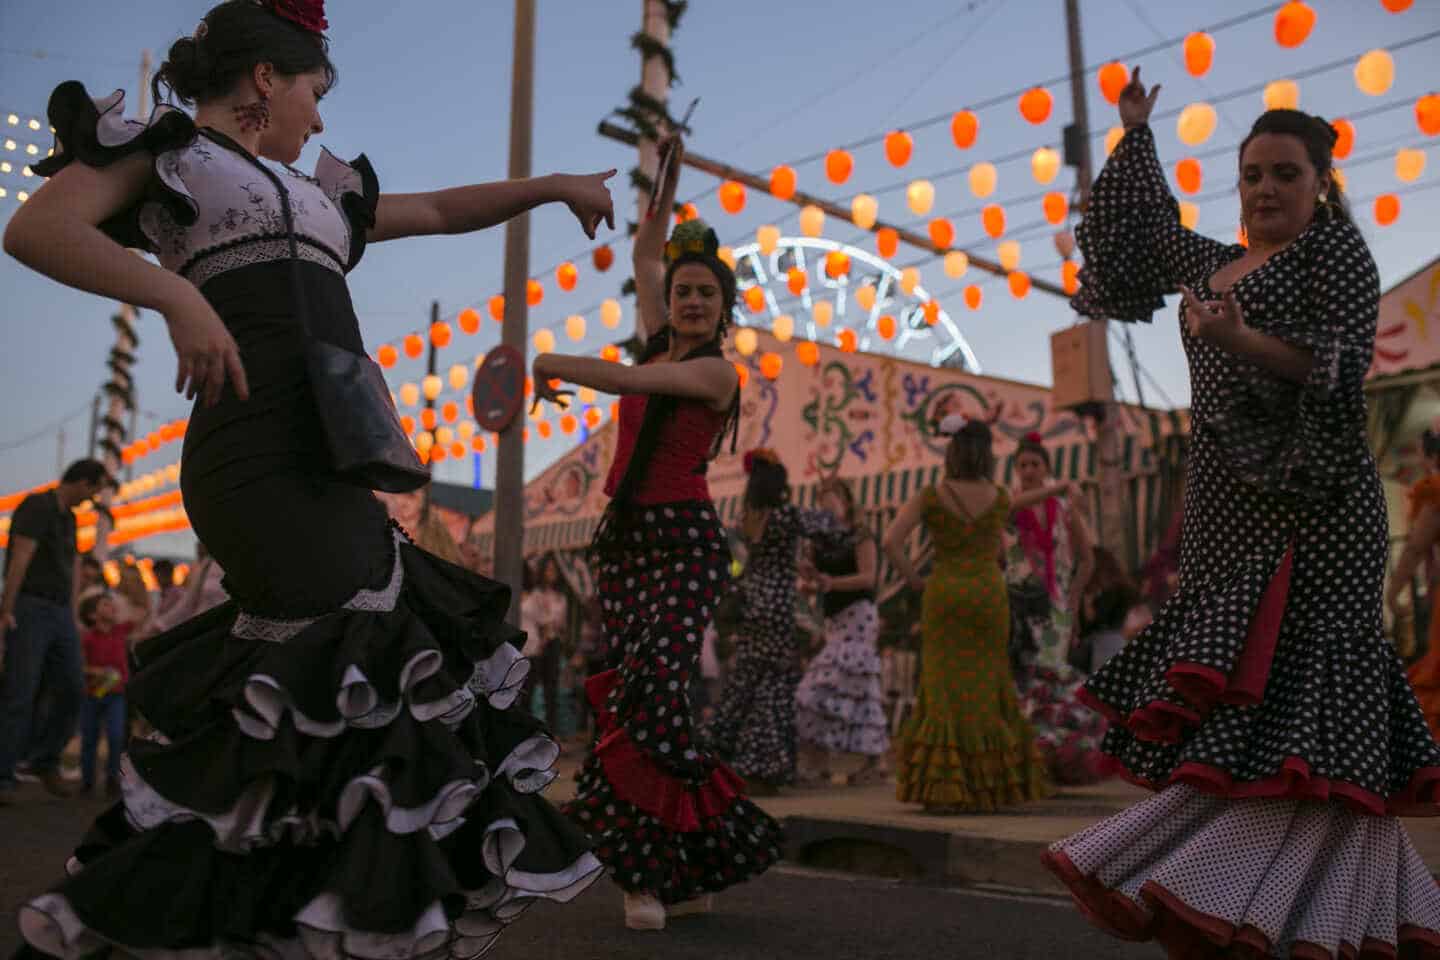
(499, 677)
(530, 767)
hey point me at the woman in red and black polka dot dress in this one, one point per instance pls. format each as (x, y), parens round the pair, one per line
(1264, 704)
(670, 822)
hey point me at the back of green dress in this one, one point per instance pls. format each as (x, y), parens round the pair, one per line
(967, 746)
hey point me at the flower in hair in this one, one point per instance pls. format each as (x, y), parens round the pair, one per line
(693, 237)
(308, 14)
(764, 454)
(1033, 437)
(952, 424)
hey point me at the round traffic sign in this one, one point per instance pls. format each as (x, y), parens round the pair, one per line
(499, 390)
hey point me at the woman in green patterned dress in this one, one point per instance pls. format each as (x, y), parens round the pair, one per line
(967, 748)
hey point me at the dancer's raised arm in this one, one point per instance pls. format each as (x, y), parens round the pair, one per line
(649, 246)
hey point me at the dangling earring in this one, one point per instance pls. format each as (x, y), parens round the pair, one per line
(253, 116)
(1323, 207)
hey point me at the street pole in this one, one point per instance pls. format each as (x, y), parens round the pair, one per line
(510, 460)
(1111, 533)
(125, 344)
(655, 82)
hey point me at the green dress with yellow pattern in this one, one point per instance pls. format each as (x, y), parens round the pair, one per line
(967, 747)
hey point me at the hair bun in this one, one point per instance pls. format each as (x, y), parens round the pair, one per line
(187, 69)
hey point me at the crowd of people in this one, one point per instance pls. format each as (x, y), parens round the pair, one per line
(334, 761)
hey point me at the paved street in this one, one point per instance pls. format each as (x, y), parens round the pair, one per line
(785, 914)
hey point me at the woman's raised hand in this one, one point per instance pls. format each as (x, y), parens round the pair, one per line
(1136, 102)
(589, 199)
(205, 351)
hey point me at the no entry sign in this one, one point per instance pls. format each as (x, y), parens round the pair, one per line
(499, 390)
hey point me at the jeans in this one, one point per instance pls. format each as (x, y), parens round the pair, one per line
(107, 712)
(42, 650)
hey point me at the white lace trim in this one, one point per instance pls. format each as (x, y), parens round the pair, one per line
(248, 626)
(207, 266)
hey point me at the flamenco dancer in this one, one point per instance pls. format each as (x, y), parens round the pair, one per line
(1264, 704)
(670, 823)
(839, 705)
(336, 771)
(754, 727)
(1421, 540)
(1049, 557)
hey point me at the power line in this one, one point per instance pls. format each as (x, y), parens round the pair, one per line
(45, 431)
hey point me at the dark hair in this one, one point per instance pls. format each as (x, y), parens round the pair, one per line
(969, 455)
(88, 471)
(660, 407)
(845, 492)
(1318, 138)
(232, 39)
(529, 578)
(768, 485)
(1032, 444)
(89, 605)
(164, 571)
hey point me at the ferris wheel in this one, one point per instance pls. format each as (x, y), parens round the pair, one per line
(821, 303)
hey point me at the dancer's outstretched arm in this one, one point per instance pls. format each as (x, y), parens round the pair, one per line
(466, 209)
(708, 379)
(648, 249)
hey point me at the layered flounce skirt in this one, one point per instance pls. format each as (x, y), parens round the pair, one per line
(839, 705)
(351, 785)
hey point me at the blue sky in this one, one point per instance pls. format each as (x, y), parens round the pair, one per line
(424, 93)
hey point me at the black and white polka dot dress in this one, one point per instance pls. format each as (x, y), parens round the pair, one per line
(1266, 684)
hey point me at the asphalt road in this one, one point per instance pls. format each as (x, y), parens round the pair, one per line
(787, 913)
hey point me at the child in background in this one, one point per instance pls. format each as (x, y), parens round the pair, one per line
(104, 645)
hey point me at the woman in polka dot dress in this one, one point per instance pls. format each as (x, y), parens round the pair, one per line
(1264, 704)
(669, 822)
(754, 727)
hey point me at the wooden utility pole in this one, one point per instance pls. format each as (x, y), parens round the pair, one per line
(1106, 415)
(510, 459)
(655, 82)
(126, 342)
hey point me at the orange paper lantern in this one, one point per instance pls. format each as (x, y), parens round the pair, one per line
(741, 371)
(610, 352)
(1396, 6)
(1427, 114)
(437, 454)
(1293, 23)
(1387, 209)
(1070, 276)
(534, 293)
(973, 296)
(755, 299)
(839, 165)
(796, 280)
(885, 326)
(1344, 138)
(497, 308)
(569, 423)
(887, 241)
(440, 334)
(992, 218)
(544, 429)
(457, 450)
(1019, 284)
(387, 356)
(592, 417)
(450, 412)
(566, 276)
(1035, 105)
(732, 196)
(837, 264)
(407, 423)
(1199, 53)
(771, 365)
(807, 353)
(931, 309)
(1188, 175)
(477, 443)
(898, 147)
(782, 182)
(428, 419)
(847, 341)
(414, 345)
(942, 233)
(1113, 78)
(603, 258)
(964, 128)
(469, 320)
(1056, 206)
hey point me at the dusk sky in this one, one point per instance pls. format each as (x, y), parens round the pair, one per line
(424, 92)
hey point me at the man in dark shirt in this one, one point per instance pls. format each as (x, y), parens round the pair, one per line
(39, 643)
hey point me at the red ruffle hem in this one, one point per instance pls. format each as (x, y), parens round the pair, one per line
(637, 779)
(1204, 687)
(1188, 933)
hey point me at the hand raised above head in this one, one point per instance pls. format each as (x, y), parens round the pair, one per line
(1136, 103)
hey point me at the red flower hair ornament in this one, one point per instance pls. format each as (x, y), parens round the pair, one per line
(308, 14)
(759, 453)
(1034, 437)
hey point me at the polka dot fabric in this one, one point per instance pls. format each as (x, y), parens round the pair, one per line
(1263, 878)
(754, 726)
(1264, 701)
(840, 705)
(665, 817)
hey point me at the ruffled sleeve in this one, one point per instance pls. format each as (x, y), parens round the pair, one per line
(354, 188)
(1308, 439)
(1135, 248)
(96, 133)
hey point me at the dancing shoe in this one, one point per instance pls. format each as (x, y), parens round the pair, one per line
(692, 908)
(644, 912)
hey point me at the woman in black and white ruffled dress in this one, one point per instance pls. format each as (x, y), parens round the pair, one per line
(337, 769)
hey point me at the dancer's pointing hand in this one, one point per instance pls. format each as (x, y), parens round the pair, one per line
(589, 199)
